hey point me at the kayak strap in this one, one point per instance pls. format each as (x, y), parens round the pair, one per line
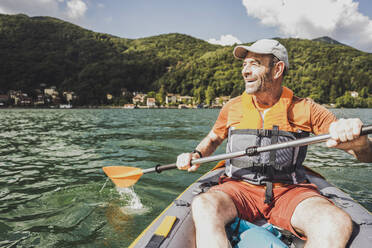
(181, 203)
(204, 187)
(161, 232)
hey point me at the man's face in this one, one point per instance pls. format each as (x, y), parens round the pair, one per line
(256, 72)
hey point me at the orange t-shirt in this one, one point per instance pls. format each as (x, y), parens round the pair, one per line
(303, 114)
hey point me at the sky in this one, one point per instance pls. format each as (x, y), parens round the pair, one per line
(223, 22)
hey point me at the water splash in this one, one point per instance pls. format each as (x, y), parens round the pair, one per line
(133, 204)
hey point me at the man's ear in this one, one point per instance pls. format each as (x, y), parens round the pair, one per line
(279, 69)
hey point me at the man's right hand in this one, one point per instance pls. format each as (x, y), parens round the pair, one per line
(184, 159)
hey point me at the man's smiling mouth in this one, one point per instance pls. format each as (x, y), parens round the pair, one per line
(250, 80)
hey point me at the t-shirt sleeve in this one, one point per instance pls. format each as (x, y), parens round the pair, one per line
(321, 118)
(220, 126)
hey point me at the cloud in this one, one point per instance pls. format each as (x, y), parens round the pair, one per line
(225, 40)
(76, 9)
(34, 8)
(70, 10)
(339, 19)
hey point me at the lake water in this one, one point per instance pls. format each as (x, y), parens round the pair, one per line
(52, 187)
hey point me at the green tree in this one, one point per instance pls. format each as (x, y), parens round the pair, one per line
(364, 92)
(333, 94)
(210, 95)
(160, 96)
(199, 95)
(151, 94)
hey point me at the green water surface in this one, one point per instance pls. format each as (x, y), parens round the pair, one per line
(52, 191)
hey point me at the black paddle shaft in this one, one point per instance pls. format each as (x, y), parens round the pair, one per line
(367, 129)
(159, 168)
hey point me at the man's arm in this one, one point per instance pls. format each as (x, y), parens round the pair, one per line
(345, 135)
(206, 147)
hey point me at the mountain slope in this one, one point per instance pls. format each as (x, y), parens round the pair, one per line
(44, 50)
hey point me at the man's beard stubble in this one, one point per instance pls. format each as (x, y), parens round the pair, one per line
(264, 86)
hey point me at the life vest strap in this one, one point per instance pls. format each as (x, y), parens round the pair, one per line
(269, 193)
(272, 158)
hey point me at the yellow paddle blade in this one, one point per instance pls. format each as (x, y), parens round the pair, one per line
(123, 176)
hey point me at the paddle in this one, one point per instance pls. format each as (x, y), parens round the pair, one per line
(124, 176)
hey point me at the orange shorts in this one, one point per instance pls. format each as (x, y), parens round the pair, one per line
(249, 201)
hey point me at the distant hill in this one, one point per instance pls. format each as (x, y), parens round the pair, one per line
(328, 40)
(45, 50)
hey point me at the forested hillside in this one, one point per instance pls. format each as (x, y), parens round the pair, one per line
(44, 50)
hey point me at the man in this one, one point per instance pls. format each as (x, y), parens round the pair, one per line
(272, 184)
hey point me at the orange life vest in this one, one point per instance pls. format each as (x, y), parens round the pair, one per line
(284, 165)
(277, 115)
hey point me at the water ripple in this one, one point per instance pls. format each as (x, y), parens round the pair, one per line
(51, 180)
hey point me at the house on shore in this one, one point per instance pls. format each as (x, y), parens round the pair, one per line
(151, 103)
(171, 98)
(354, 94)
(139, 98)
(19, 98)
(178, 99)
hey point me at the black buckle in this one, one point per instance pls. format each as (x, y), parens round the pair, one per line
(251, 151)
(261, 168)
(264, 133)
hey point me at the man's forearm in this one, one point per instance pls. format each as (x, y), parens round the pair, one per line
(209, 144)
(363, 154)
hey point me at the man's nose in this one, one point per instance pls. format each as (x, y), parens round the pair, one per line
(246, 70)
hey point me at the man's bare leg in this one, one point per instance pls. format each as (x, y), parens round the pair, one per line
(324, 224)
(211, 212)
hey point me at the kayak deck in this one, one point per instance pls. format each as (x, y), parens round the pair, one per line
(181, 231)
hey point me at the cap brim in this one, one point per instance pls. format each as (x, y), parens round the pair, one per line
(240, 52)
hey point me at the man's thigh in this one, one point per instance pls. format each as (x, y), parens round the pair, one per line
(286, 201)
(244, 197)
(317, 217)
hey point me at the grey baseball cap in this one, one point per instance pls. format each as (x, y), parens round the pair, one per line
(264, 46)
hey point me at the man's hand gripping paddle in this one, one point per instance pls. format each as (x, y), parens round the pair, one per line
(124, 176)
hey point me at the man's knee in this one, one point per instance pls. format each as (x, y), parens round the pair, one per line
(211, 211)
(335, 223)
(205, 204)
(213, 206)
